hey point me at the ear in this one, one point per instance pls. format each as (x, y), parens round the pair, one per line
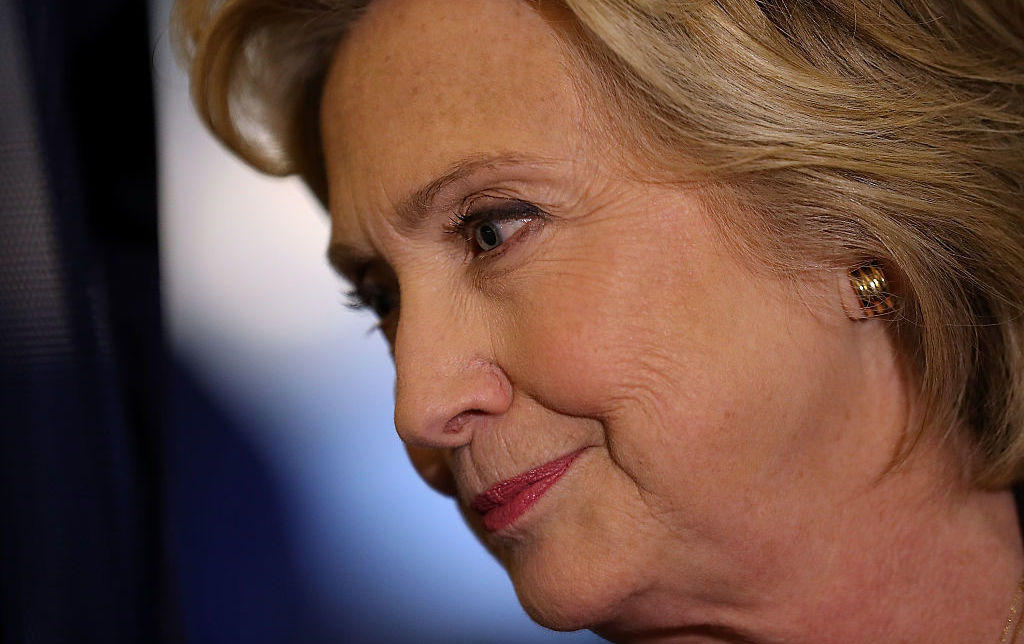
(864, 292)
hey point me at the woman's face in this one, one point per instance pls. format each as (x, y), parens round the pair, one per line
(549, 304)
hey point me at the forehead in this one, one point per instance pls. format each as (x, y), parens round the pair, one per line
(420, 85)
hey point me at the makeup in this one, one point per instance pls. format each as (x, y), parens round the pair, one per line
(504, 502)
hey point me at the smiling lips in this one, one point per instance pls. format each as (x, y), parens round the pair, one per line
(504, 502)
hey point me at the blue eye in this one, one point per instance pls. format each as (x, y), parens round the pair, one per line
(492, 233)
(487, 228)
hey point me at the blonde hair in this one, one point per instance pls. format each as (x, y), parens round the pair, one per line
(851, 130)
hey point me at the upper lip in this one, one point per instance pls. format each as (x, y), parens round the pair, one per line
(504, 491)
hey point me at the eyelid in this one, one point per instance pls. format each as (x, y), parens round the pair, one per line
(462, 223)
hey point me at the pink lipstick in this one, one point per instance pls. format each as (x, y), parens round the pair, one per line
(504, 502)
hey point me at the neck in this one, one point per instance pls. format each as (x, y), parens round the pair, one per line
(909, 560)
(945, 571)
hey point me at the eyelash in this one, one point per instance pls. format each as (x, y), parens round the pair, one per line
(370, 298)
(356, 302)
(362, 297)
(463, 223)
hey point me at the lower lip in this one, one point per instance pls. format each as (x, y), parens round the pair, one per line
(507, 513)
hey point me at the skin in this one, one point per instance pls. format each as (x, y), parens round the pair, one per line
(737, 426)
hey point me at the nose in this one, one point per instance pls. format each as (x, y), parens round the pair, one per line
(447, 381)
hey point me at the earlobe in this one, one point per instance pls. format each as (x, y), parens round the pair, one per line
(865, 292)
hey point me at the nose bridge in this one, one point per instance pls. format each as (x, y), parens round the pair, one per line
(446, 376)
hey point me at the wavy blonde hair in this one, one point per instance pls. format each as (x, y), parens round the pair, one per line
(851, 130)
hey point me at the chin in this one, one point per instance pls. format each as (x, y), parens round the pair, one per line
(567, 586)
(578, 560)
(568, 604)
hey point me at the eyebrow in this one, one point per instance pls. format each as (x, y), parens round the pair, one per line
(414, 208)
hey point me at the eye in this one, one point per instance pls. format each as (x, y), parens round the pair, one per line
(487, 228)
(375, 288)
(381, 302)
(490, 234)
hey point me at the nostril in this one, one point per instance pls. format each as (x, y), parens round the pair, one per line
(459, 422)
(456, 424)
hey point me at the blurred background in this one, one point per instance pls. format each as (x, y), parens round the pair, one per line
(197, 434)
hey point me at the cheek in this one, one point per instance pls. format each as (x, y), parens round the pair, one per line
(703, 372)
(568, 338)
(433, 468)
(603, 322)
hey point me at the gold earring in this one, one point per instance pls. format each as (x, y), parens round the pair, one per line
(872, 290)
